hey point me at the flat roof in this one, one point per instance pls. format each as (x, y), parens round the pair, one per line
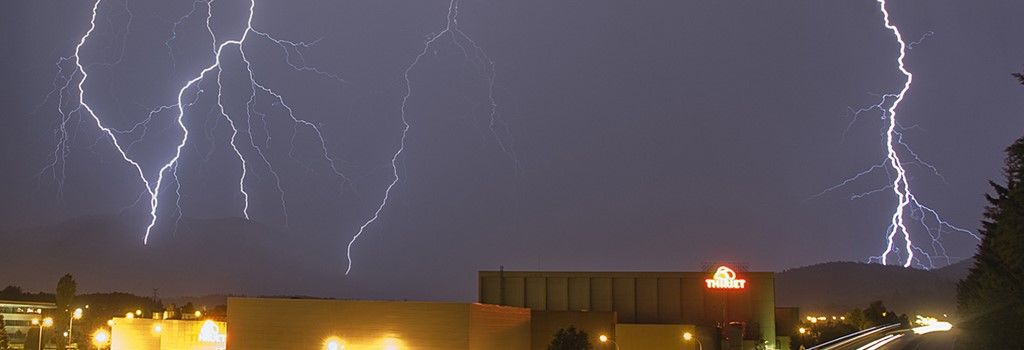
(507, 273)
(42, 304)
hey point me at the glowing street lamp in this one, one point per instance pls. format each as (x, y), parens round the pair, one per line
(687, 336)
(101, 339)
(604, 339)
(334, 343)
(46, 322)
(75, 315)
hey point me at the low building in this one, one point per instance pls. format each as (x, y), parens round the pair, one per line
(158, 334)
(18, 317)
(294, 324)
(721, 308)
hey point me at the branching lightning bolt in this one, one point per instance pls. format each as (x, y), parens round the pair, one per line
(498, 128)
(71, 82)
(908, 207)
(169, 167)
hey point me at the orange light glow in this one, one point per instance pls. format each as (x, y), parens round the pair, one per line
(725, 278)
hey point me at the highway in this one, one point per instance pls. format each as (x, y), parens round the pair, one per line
(930, 341)
(892, 337)
(862, 340)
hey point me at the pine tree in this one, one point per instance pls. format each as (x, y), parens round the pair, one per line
(991, 298)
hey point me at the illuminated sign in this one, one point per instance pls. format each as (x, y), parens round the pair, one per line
(725, 278)
(210, 333)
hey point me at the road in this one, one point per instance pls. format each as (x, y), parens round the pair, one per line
(930, 341)
(893, 338)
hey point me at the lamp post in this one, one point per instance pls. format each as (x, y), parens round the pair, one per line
(687, 336)
(75, 315)
(604, 339)
(46, 322)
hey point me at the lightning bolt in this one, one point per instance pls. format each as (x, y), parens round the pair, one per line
(169, 168)
(908, 207)
(497, 127)
(71, 82)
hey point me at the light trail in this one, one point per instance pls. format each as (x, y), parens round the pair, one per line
(880, 342)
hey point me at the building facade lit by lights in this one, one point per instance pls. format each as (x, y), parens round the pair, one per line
(157, 334)
(314, 324)
(18, 317)
(724, 308)
(727, 308)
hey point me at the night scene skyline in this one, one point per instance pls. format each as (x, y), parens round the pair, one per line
(421, 142)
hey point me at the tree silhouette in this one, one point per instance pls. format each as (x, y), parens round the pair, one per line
(66, 289)
(991, 298)
(570, 339)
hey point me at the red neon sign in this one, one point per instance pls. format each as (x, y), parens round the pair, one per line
(725, 278)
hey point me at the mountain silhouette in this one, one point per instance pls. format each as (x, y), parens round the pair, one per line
(202, 256)
(836, 287)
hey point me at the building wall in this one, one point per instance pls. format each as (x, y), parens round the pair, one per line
(664, 336)
(284, 324)
(143, 334)
(787, 324)
(134, 334)
(544, 324)
(675, 298)
(498, 327)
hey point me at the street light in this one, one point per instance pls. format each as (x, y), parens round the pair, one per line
(101, 339)
(687, 336)
(334, 343)
(46, 322)
(75, 315)
(604, 339)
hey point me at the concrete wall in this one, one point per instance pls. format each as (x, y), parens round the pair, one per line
(284, 324)
(544, 324)
(150, 334)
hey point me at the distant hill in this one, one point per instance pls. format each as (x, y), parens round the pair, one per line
(836, 287)
(226, 255)
(956, 271)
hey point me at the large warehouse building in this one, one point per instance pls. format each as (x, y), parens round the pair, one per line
(736, 309)
(517, 310)
(303, 324)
